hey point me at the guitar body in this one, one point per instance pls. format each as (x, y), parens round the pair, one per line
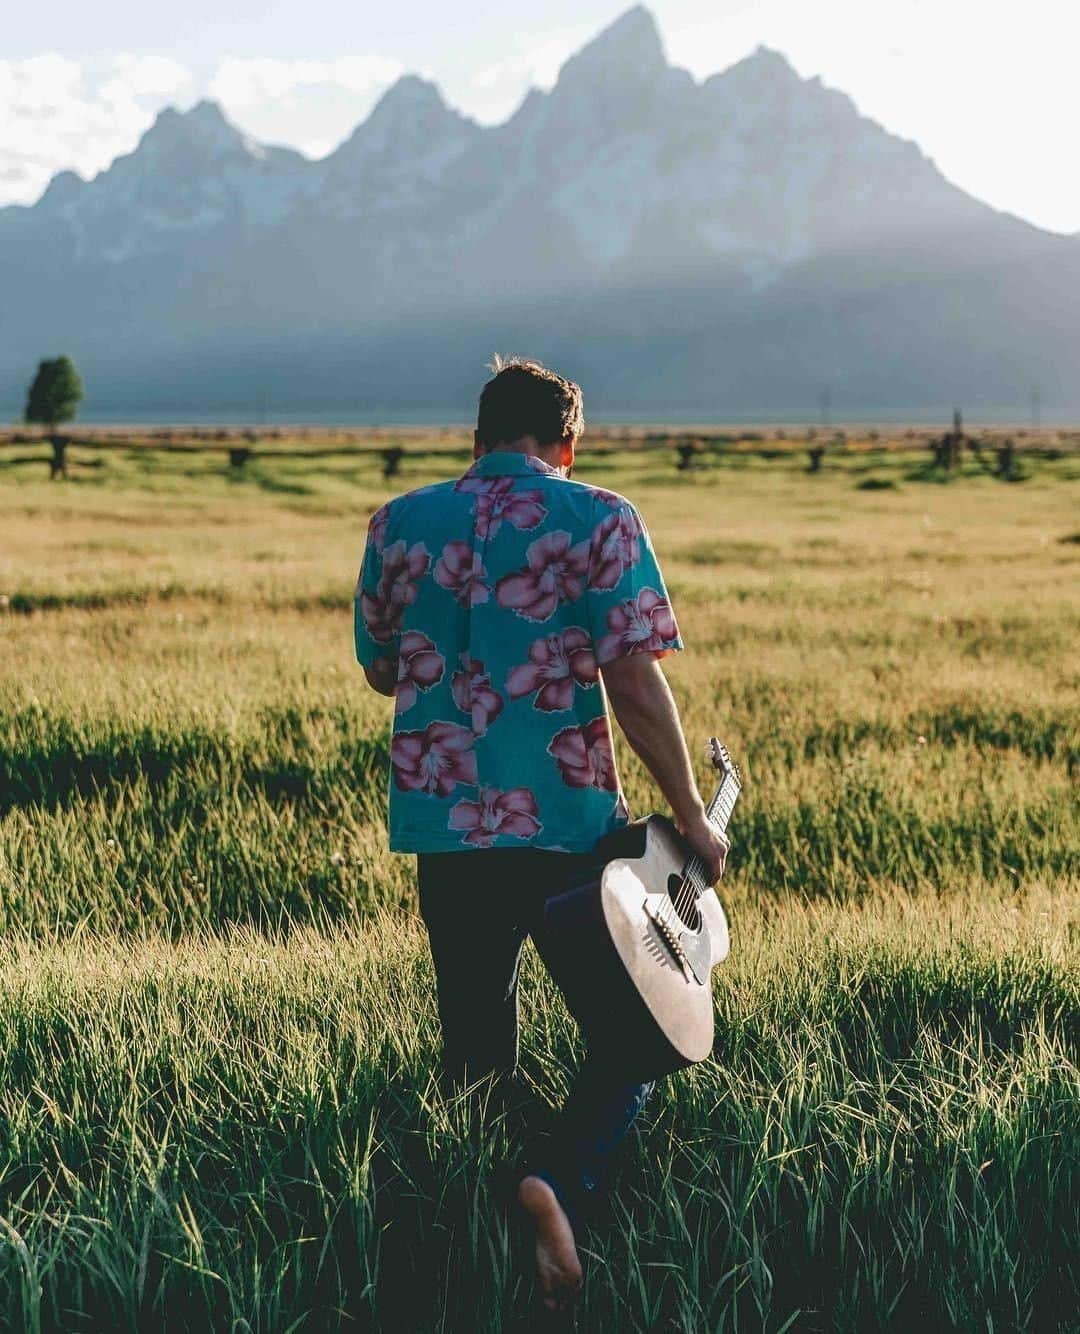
(645, 937)
(634, 897)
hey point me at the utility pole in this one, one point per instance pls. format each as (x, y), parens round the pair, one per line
(826, 403)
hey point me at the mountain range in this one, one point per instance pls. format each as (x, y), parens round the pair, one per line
(705, 250)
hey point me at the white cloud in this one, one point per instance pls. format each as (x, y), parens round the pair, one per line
(309, 104)
(57, 113)
(252, 81)
(145, 76)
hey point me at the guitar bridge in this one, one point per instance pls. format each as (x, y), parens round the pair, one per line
(689, 949)
(669, 935)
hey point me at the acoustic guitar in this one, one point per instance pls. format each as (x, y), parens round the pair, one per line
(648, 932)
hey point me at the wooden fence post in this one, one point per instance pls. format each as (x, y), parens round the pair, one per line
(687, 452)
(58, 462)
(946, 448)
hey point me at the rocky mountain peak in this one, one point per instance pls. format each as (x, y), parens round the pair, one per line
(765, 76)
(407, 144)
(411, 96)
(631, 47)
(765, 62)
(64, 187)
(204, 126)
(410, 115)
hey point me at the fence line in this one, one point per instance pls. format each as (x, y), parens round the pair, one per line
(690, 450)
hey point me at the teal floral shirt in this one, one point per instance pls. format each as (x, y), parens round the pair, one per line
(501, 595)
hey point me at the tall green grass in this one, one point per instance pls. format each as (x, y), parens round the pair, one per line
(243, 1131)
(218, 1107)
(114, 824)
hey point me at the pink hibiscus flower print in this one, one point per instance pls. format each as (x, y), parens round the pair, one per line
(434, 760)
(555, 572)
(585, 757)
(615, 548)
(381, 620)
(460, 571)
(377, 527)
(497, 500)
(638, 625)
(474, 694)
(497, 813)
(607, 497)
(556, 665)
(397, 588)
(420, 666)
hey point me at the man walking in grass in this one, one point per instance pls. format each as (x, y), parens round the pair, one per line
(501, 611)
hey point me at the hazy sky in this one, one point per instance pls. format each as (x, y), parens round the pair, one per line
(986, 87)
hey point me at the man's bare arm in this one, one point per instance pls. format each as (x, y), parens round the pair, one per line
(382, 675)
(649, 717)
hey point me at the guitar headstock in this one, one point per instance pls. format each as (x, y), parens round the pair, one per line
(722, 762)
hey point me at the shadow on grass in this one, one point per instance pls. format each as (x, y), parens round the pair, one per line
(48, 761)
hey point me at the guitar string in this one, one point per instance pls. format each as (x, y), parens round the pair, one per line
(696, 881)
(693, 874)
(693, 880)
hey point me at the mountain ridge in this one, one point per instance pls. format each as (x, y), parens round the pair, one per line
(751, 211)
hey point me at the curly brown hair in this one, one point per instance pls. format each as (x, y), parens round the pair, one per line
(525, 398)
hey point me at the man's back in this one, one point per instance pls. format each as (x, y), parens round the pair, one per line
(501, 595)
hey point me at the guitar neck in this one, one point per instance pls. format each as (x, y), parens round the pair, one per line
(723, 803)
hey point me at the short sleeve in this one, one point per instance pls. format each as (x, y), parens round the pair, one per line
(629, 608)
(376, 630)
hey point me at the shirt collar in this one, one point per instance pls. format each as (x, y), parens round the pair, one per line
(505, 464)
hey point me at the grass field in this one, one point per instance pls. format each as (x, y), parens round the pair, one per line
(217, 1108)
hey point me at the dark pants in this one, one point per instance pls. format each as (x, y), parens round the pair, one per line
(478, 908)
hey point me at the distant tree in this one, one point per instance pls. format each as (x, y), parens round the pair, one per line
(56, 393)
(54, 397)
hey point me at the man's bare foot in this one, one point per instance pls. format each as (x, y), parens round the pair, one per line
(557, 1265)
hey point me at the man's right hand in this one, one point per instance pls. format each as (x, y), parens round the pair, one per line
(710, 845)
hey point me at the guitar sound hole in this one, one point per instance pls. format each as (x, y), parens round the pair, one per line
(684, 901)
